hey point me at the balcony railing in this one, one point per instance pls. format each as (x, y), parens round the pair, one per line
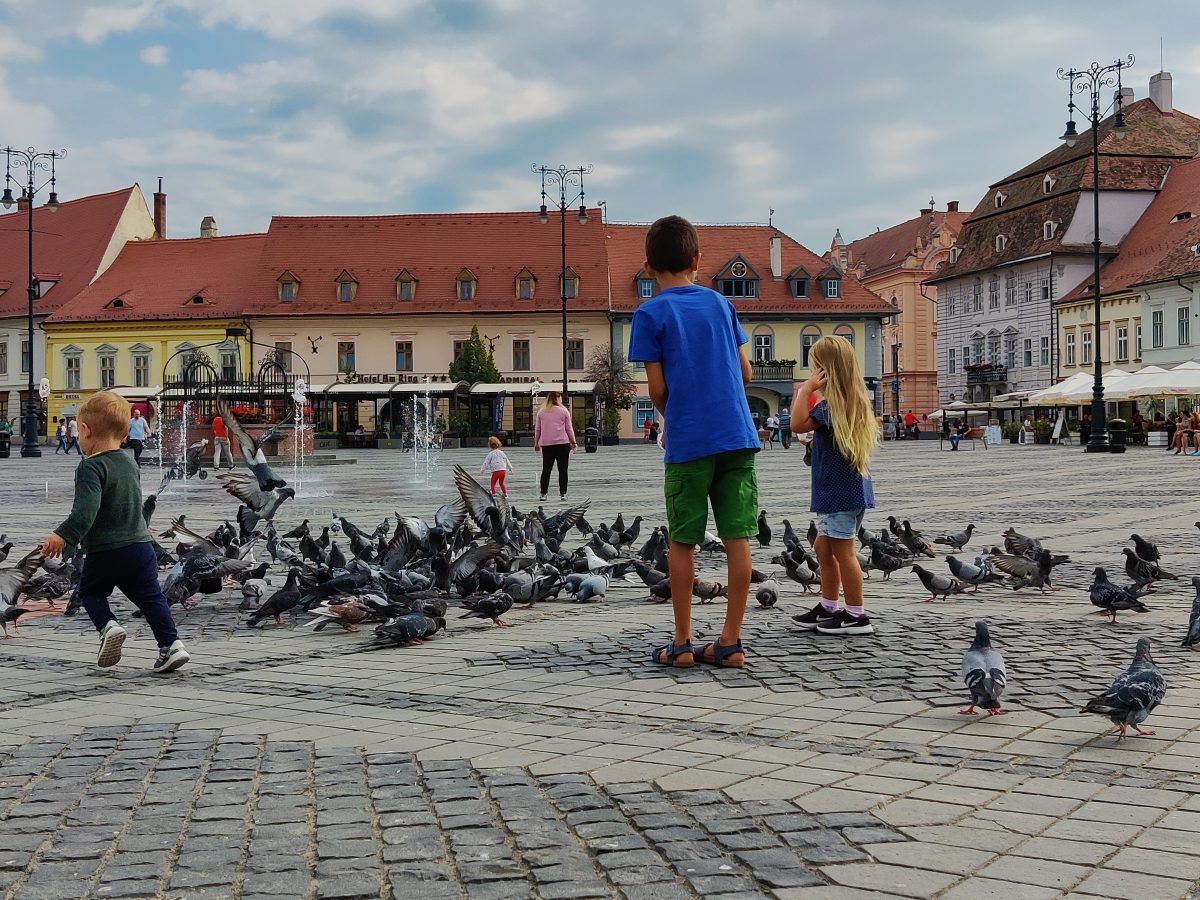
(773, 372)
(986, 374)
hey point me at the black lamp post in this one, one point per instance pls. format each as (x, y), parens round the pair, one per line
(563, 177)
(1091, 81)
(31, 160)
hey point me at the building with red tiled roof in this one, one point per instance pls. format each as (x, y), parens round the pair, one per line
(71, 247)
(1028, 243)
(893, 263)
(1148, 308)
(785, 295)
(157, 301)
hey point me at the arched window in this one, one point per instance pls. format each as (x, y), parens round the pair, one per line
(845, 331)
(809, 336)
(764, 344)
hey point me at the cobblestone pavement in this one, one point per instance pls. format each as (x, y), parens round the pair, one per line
(552, 759)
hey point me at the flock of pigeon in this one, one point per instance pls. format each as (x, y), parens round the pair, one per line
(481, 556)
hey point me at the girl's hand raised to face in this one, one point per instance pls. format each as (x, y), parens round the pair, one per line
(816, 381)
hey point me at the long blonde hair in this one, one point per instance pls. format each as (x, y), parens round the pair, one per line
(553, 399)
(855, 431)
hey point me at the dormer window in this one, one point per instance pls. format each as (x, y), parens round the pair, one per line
(115, 303)
(525, 285)
(1000, 198)
(570, 285)
(800, 287)
(1182, 217)
(197, 300)
(288, 287)
(1048, 184)
(406, 287)
(738, 280)
(347, 287)
(1048, 229)
(833, 288)
(466, 285)
(44, 285)
(955, 253)
(1001, 243)
(645, 288)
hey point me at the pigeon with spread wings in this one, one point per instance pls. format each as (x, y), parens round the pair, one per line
(251, 449)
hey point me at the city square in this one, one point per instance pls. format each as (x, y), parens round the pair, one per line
(553, 759)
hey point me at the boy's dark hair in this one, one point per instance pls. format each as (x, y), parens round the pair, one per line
(671, 244)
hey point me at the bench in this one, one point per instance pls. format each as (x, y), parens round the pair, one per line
(971, 435)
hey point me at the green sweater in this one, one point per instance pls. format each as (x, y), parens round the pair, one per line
(107, 514)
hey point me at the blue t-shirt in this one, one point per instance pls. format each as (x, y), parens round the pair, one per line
(137, 429)
(694, 333)
(836, 485)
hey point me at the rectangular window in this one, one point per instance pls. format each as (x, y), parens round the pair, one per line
(4, 357)
(643, 410)
(994, 351)
(994, 293)
(404, 356)
(405, 291)
(1123, 342)
(1085, 348)
(26, 358)
(1045, 289)
(977, 297)
(953, 304)
(953, 367)
(108, 371)
(1029, 292)
(229, 365)
(525, 289)
(739, 287)
(966, 355)
(1184, 320)
(1138, 339)
(287, 291)
(457, 351)
(141, 370)
(645, 288)
(74, 372)
(1071, 349)
(833, 288)
(345, 291)
(800, 288)
(1045, 351)
(575, 354)
(764, 347)
(1027, 353)
(1010, 291)
(571, 288)
(466, 290)
(1010, 353)
(520, 356)
(1156, 329)
(345, 360)
(806, 345)
(283, 354)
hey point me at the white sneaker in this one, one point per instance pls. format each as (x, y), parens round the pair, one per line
(112, 638)
(171, 658)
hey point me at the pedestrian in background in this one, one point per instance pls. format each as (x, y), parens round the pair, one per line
(554, 438)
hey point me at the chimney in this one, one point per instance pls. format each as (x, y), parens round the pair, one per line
(927, 211)
(160, 212)
(208, 227)
(1160, 91)
(776, 257)
(22, 202)
(952, 206)
(1125, 95)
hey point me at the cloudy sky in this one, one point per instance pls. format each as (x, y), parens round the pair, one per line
(847, 114)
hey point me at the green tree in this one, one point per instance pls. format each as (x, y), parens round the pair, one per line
(475, 363)
(613, 375)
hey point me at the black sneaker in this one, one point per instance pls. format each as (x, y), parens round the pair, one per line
(844, 623)
(814, 617)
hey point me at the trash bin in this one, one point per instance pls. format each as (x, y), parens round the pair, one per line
(591, 439)
(1118, 431)
(5, 444)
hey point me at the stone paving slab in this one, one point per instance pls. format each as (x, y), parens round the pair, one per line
(553, 760)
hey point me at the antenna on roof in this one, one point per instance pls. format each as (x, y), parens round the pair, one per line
(1160, 53)
(770, 217)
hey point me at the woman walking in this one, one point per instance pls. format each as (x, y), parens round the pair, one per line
(552, 433)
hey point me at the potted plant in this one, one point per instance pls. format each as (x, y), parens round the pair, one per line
(1012, 431)
(610, 433)
(1042, 429)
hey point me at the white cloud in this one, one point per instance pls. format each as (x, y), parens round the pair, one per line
(291, 18)
(248, 84)
(155, 55)
(637, 137)
(99, 21)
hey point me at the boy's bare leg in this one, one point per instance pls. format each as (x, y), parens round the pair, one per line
(681, 560)
(831, 580)
(740, 564)
(849, 572)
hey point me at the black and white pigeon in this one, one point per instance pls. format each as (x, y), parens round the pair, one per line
(1026, 572)
(488, 606)
(1193, 632)
(979, 573)
(1143, 571)
(764, 530)
(938, 585)
(1133, 695)
(983, 673)
(251, 449)
(1113, 598)
(1145, 549)
(956, 540)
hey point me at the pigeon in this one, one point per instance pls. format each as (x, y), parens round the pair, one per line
(254, 592)
(938, 585)
(801, 573)
(812, 533)
(1193, 633)
(764, 530)
(1144, 548)
(767, 593)
(591, 589)
(251, 449)
(979, 573)
(916, 544)
(264, 504)
(298, 532)
(886, 562)
(1112, 598)
(287, 597)
(1026, 572)
(708, 591)
(491, 606)
(983, 673)
(1133, 695)
(13, 581)
(957, 540)
(148, 507)
(1143, 571)
(790, 541)
(1020, 545)
(410, 628)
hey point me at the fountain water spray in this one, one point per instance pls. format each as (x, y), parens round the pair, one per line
(299, 395)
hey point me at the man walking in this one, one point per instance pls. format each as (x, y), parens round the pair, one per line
(138, 431)
(73, 436)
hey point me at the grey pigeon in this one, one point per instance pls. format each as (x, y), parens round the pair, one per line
(488, 607)
(983, 673)
(1020, 545)
(1143, 571)
(767, 593)
(916, 544)
(1193, 633)
(958, 539)
(801, 573)
(1112, 598)
(591, 588)
(979, 573)
(1144, 549)
(1024, 571)
(1133, 695)
(251, 449)
(938, 585)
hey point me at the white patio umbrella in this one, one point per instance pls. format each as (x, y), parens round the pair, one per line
(1053, 394)
(1082, 393)
(1183, 380)
(953, 409)
(1145, 382)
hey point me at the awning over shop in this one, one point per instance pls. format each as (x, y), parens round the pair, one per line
(525, 387)
(358, 389)
(136, 393)
(432, 387)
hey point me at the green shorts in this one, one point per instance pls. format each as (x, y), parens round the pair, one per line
(729, 480)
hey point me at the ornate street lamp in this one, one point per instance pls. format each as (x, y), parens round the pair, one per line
(1091, 82)
(31, 161)
(563, 177)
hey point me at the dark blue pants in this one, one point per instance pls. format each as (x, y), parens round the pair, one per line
(133, 569)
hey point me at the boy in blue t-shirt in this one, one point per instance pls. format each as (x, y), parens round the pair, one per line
(689, 338)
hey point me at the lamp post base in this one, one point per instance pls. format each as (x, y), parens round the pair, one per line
(1097, 447)
(31, 452)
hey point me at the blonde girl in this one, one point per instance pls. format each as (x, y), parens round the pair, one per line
(833, 405)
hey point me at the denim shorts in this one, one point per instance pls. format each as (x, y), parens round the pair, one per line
(840, 525)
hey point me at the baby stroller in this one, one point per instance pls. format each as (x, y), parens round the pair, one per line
(192, 463)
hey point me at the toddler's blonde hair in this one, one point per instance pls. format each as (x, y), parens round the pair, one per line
(106, 414)
(494, 442)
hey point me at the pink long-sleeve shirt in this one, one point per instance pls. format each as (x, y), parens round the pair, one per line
(553, 426)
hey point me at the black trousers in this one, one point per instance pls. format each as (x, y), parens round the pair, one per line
(137, 446)
(551, 454)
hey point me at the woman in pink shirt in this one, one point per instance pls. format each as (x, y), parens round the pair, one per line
(553, 432)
